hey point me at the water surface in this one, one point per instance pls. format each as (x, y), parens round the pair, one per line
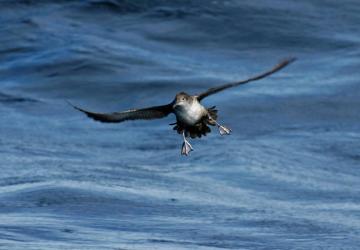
(287, 178)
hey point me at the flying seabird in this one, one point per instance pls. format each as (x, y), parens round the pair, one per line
(192, 118)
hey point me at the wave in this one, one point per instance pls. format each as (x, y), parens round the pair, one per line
(8, 99)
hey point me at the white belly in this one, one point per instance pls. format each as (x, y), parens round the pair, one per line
(191, 114)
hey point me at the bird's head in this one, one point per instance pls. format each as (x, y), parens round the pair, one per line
(182, 100)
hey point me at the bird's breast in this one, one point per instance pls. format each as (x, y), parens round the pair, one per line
(191, 114)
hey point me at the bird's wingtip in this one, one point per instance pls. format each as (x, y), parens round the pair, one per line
(72, 105)
(68, 102)
(285, 62)
(289, 60)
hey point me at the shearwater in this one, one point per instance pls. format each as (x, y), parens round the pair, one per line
(192, 118)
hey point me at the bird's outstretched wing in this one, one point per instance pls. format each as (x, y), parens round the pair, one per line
(155, 112)
(214, 90)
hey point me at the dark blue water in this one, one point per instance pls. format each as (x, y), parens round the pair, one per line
(287, 178)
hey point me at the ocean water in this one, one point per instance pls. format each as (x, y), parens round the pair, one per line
(287, 178)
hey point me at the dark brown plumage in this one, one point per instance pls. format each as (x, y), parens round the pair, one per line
(217, 89)
(132, 114)
(192, 119)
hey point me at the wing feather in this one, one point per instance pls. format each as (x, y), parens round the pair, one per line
(217, 89)
(154, 112)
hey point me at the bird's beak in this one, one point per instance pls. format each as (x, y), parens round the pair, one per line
(178, 104)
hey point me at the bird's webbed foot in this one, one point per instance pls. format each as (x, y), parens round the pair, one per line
(222, 129)
(186, 146)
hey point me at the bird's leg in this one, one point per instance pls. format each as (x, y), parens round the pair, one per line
(186, 146)
(222, 129)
